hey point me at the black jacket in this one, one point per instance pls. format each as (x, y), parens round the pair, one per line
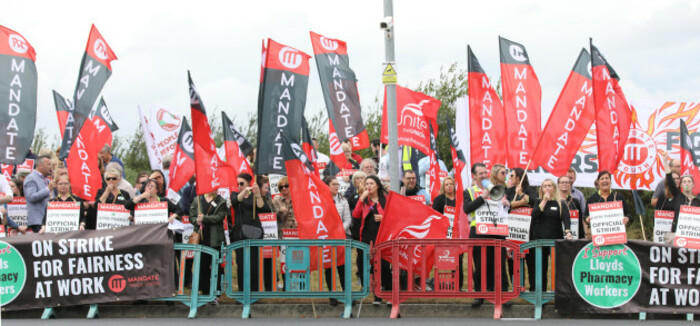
(614, 196)
(547, 224)
(678, 200)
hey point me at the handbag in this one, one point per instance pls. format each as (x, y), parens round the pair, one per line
(251, 232)
(195, 238)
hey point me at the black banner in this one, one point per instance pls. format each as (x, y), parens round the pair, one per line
(84, 267)
(637, 277)
(18, 89)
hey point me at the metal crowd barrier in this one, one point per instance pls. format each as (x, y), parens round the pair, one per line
(540, 296)
(296, 270)
(445, 271)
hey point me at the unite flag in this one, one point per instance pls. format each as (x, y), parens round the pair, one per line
(414, 111)
(18, 96)
(688, 159)
(569, 122)
(487, 119)
(285, 82)
(182, 165)
(522, 97)
(613, 116)
(95, 69)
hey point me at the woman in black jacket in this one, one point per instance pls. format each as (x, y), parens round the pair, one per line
(682, 197)
(564, 185)
(664, 201)
(606, 194)
(547, 218)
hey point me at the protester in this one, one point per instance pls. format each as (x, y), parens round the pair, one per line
(352, 163)
(37, 188)
(498, 175)
(577, 193)
(368, 166)
(321, 159)
(21, 176)
(167, 159)
(547, 218)
(411, 188)
(448, 198)
(105, 155)
(264, 185)
(520, 194)
(474, 199)
(341, 204)
(16, 187)
(140, 182)
(207, 215)
(681, 197)
(159, 178)
(675, 167)
(356, 157)
(424, 169)
(6, 196)
(664, 201)
(606, 194)
(150, 195)
(377, 149)
(123, 184)
(282, 204)
(564, 185)
(64, 195)
(109, 194)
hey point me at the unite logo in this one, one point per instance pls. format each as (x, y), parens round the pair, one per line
(483, 229)
(100, 49)
(18, 44)
(336, 147)
(328, 44)
(412, 115)
(517, 53)
(290, 58)
(418, 231)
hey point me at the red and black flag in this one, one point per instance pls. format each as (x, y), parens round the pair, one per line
(487, 119)
(689, 162)
(285, 80)
(434, 170)
(308, 145)
(339, 86)
(211, 172)
(64, 107)
(95, 69)
(458, 163)
(82, 163)
(182, 166)
(104, 125)
(569, 122)
(314, 208)
(522, 97)
(234, 142)
(18, 96)
(613, 116)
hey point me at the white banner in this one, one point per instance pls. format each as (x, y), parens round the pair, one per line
(151, 213)
(111, 216)
(62, 216)
(606, 223)
(160, 131)
(519, 224)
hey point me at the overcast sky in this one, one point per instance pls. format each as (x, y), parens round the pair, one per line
(653, 45)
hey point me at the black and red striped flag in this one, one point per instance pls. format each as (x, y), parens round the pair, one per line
(95, 69)
(689, 163)
(458, 163)
(99, 116)
(182, 165)
(308, 145)
(18, 96)
(234, 142)
(613, 116)
(434, 170)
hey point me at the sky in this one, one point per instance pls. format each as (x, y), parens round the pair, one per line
(653, 45)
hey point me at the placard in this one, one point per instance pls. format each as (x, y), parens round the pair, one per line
(573, 215)
(2, 231)
(688, 228)
(151, 213)
(450, 213)
(491, 219)
(443, 175)
(269, 225)
(607, 226)
(274, 179)
(110, 216)
(519, 224)
(17, 210)
(62, 216)
(663, 221)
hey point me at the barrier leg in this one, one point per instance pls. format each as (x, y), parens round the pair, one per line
(93, 312)
(498, 283)
(347, 285)
(642, 316)
(48, 313)
(246, 282)
(689, 317)
(396, 285)
(194, 294)
(538, 282)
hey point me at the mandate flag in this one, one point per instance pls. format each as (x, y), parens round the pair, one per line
(314, 208)
(340, 92)
(99, 116)
(182, 165)
(234, 143)
(414, 111)
(82, 163)
(487, 119)
(211, 171)
(18, 89)
(458, 164)
(95, 69)
(308, 145)
(612, 113)
(522, 97)
(688, 157)
(405, 218)
(285, 80)
(569, 122)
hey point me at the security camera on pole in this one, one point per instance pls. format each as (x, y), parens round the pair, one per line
(389, 79)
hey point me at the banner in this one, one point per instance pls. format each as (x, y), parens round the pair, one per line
(83, 166)
(522, 97)
(105, 126)
(160, 130)
(405, 218)
(62, 216)
(414, 112)
(112, 216)
(491, 219)
(639, 276)
(211, 171)
(487, 119)
(519, 224)
(18, 96)
(612, 113)
(569, 122)
(235, 146)
(281, 109)
(688, 159)
(95, 69)
(663, 220)
(308, 146)
(339, 86)
(688, 228)
(575, 220)
(182, 165)
(86, 267)
(151, 213)
(607, 227)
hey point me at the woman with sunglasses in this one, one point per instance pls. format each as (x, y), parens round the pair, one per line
(150, 195)
(207, 215)
(564, 185)
(109, 194)
(64, 194)
(159, 177)
(520, 194)
(282, 204)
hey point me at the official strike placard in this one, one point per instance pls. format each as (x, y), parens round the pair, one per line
(607, 225)
(151, 213)
(688, 228)
(491, 219)
(663, 221)
(62, 216)
(519, 224)
(110, 216)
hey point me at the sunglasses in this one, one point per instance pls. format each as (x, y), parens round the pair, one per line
(111, 179)
(282, 187)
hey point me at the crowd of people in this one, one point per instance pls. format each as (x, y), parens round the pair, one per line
(360, 205)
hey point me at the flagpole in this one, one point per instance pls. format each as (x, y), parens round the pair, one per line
(387, 26)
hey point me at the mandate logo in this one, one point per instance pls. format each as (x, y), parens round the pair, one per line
(13, 273)
(290, 58)
(681, 242)
(483, 229)
(167, 121)
(188, 142)
(117, 283)
(18, 44)
(517, 53)
(606, 277)
(100, 49)
(640, 153)
(328, 44)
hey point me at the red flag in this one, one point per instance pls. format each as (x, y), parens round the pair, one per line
(569, 122)
(688, 160)
(82, 164)
(405, 218)
(521, 101)
(211, 172)
(434, 171)
(234, 153)
(63, 109)
(612, 113)
(182, 166)
(104, 125)
(314, 208)
(486, 117)
(458, 163)
(337, 155)
(413, 112)
(308, 145)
